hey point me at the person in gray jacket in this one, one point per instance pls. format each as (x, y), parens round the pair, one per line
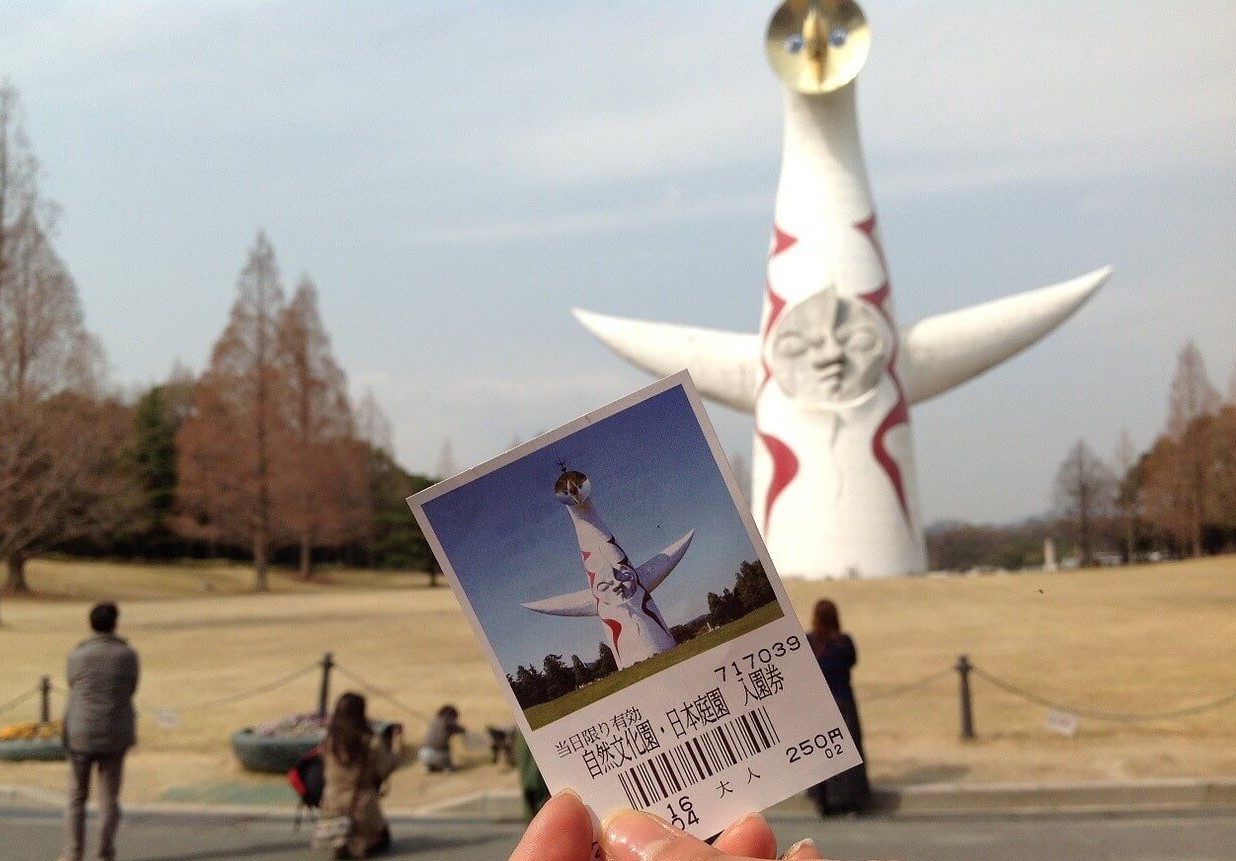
(98, 728)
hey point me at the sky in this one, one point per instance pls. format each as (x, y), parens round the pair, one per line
(653, 479)
(455, 177)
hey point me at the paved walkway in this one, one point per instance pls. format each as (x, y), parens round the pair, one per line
(1150, 821)
(34, 836)
(959, 799)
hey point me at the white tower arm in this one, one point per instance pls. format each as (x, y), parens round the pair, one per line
(581, 603)
(722, 364)
(941, 352)
(944, 351)
(653, 572)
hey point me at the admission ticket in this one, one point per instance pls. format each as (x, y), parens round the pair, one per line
(631, 612)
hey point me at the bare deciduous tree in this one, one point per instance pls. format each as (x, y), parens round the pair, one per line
(1124, 463)
(62, 475)
(1161, 495)
(322, 494)
(1222, 508)
(44, 346)
(1191, 395)
(1084, 492)
(62, 447)
(1179, 469)
(227, 446)
(372, 425)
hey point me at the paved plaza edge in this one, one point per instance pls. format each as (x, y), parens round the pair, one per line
(934, 800)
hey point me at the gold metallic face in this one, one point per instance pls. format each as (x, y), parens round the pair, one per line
(817, 46)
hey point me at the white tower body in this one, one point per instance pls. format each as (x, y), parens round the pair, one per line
(836, 462)
(830, 376)
(635, 626)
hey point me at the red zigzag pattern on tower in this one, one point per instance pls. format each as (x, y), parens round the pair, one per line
(900, 413)
(785, 462)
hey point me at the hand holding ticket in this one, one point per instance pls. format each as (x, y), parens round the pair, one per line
(625, 599)
(563, 831)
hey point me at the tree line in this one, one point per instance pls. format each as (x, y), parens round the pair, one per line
(263, 455)
(1175, 499)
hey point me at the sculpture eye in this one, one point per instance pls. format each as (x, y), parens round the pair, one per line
(791, 345)
(863, 340)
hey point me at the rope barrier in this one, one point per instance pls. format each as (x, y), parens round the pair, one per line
(20, 699)
(381, 694)
(291, 677)
(242, 695)
(887, 693)
(1122, 717)
(906, 688)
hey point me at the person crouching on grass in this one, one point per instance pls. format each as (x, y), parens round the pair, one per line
(435, 751)
(356, 761)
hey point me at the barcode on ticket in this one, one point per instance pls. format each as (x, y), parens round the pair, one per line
(699, 758)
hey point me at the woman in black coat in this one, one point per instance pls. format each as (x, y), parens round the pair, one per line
(834, 651)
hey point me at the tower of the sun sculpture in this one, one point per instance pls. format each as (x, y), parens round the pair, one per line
(831, 377)
(619, 593)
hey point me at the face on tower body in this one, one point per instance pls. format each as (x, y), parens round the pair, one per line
(615, 585)
(828, 349)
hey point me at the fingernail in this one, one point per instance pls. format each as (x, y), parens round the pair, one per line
(629, 835)
(572, 793)
(803, 850)
(743, 820)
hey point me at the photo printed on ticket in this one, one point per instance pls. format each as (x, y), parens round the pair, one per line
(633, 617)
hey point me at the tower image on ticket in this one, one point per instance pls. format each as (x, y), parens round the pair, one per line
(618, 593)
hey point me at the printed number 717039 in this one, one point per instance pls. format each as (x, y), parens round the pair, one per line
(779, 649)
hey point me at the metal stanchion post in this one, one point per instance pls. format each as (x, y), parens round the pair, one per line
(45, 705)
(328, 661)
(967, 715)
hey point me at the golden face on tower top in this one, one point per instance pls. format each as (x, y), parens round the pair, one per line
(817, 46)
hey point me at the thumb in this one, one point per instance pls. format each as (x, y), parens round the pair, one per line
(631, 835)
(803, 850)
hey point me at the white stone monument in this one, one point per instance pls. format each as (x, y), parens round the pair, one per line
(830, 376)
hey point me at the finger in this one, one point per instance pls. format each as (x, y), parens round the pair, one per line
(561, 831)
(631, 835)
(751, 837)
(803, 850)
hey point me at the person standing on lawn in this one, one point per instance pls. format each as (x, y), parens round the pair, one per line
(849, 791)
(99, 728)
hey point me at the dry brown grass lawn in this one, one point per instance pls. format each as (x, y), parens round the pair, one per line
(1139, 640)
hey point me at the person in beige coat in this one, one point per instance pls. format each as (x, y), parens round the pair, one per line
(356, 762)
(99, 729)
